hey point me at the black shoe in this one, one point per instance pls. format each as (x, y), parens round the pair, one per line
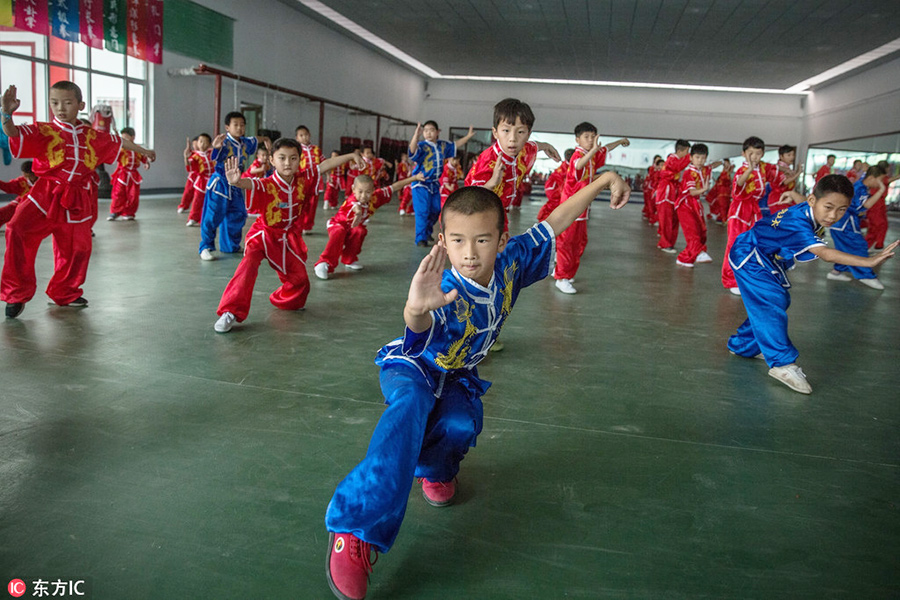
(80, 302)
(14, 309)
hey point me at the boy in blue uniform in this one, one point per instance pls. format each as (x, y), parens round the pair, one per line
(224, 202)
(760, 258)
(429, 377)
(846, 232)
(428, 156)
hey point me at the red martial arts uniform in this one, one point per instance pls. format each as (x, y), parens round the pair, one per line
(61, 203)
(553, 188)
(309, 170)
(201, 166)
(853, 175)
(648, 187)
(690, 212)
(20, 186)
(188, 194)
(449, 181)
(345, 241)
(744, 211)
(371, 168)
(514, 170)
(878, 220)
(775, 176)
(822, 172)
(571, 242)
(126, 183)
(275, 236)
(334, 186)
(666, 191)
(719, 197)
(403, 171)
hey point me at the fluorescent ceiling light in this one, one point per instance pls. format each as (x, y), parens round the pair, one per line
(842, 68)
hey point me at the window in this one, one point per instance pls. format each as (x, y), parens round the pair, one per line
(33, 62)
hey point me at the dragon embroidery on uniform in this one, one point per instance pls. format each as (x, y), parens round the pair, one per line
(90, 157)
(455, 358)
(509, 274)
(273, 211)
(56, 152)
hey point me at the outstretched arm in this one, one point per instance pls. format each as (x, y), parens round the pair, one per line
(549, 150)
(336, 161)
(871, 200)
(233, 174)
(613, 145)
(462, 141)
(851, 260)
(414, 140)
(425, 293)
(187, 152)
(399, 185)
(139, 149)
(8, 105)
(566, 213)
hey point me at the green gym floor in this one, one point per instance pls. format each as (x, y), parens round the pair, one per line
(625, 452)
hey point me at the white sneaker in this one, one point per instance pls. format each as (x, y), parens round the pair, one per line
(321, 270)
(668, 250)
(192, 223)
(838, 276)
(402, 212)
(206, 254)
(703, 257)
(129, 218)
(180, 210)
(872, 283)
(792, 376)
(736, 291)
(112, 217)
(684, 264)
(354, 266)
(565, 286)
(225, 322)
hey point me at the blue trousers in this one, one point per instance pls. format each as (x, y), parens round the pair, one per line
(852, 243)
(418, 435)
(222, 202)
(765, 329)
(427, 205)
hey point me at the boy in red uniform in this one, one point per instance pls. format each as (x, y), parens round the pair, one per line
(877, 214)
(310, 159)
(347, 229)
(695, 181)
(553, 187)
(370, 166)
(261, 167)
(20, 186)
(450, 178)
(855, 171)
(827, 168)
(334, 185)
(589, 157)
(502, 167)
(747, 190)
(404, 169)
(719, 196)
(782, 178)
(126, 181)
(66, 153)
(200, 165)
(647, 186)
(187, 196)
(666, 190)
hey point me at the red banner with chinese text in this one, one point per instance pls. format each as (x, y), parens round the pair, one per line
(92, 23)
(154, 31)
(136, 27)
(33, 16)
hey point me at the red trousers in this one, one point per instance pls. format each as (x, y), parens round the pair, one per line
(668, 224)
(332, 193)
(196, 206)
(187, 195)
(718, 207)
(735, 228)
(308, 216)
(286, 253)
(690, 215)
(344, 244)
(570, 245)
(878, 225)
(649, 211)
(125, 198)
(71, 254)
(7, 212)
(406, 200)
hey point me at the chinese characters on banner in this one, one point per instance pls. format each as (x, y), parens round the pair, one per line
(32, 15)
(154, 31)
(114, 25)
(92, 23)
(137, 27)
(65, 19)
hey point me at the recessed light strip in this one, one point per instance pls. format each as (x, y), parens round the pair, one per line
(842, 68)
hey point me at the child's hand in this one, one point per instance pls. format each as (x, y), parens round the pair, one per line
(358, 161)
(885, 254)
(151, 156)
(220, 139)
(619, 193)
(626, 142)
(9, 102)
(496, 176)
(425, 293)
(418, 133)
(188, 150)
(232, 172)
(419, 176)
(549, 150)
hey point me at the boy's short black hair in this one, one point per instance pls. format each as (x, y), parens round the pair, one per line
(204, 134)
(474, 199)
(583, 127)
(834, 184)
(508, 109)
(753, 142)
(301, 128)
(700, 149)
(128, 130)
(782, 150)
(262, 148)
(569, 154)
(234, 115)
(281, 143)
(831, 156)
(28, 167)
(659, 160)
(875, 171)
(68, 86)
(430, 122)
(681, 144)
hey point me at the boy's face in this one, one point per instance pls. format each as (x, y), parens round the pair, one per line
(127, 136)
(511, 136)
(681, 152)
(830, 161)
(286, 161)
(698, 160)
(31, 177)
(587, 139)
(262, 155)
(236, 127)
(363, 191)
(368, 153)
(431, 133)
(828, 209)
(790, 157)
(473, 242)
(303, 136)
(203, 143)
(65, 105)
(754, 155)
(334, 154)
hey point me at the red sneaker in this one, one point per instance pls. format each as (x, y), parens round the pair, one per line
(439, 493)
(348, 565)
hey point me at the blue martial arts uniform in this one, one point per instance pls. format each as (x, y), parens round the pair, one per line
(223, 202)
(429, 160)
(847, 235)
(760, 259)
(433, 392)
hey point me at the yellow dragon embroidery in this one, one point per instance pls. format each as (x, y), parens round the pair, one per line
(56, 149)
(90, 157)
(459, 350)
(508, 276)
(273, 211)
